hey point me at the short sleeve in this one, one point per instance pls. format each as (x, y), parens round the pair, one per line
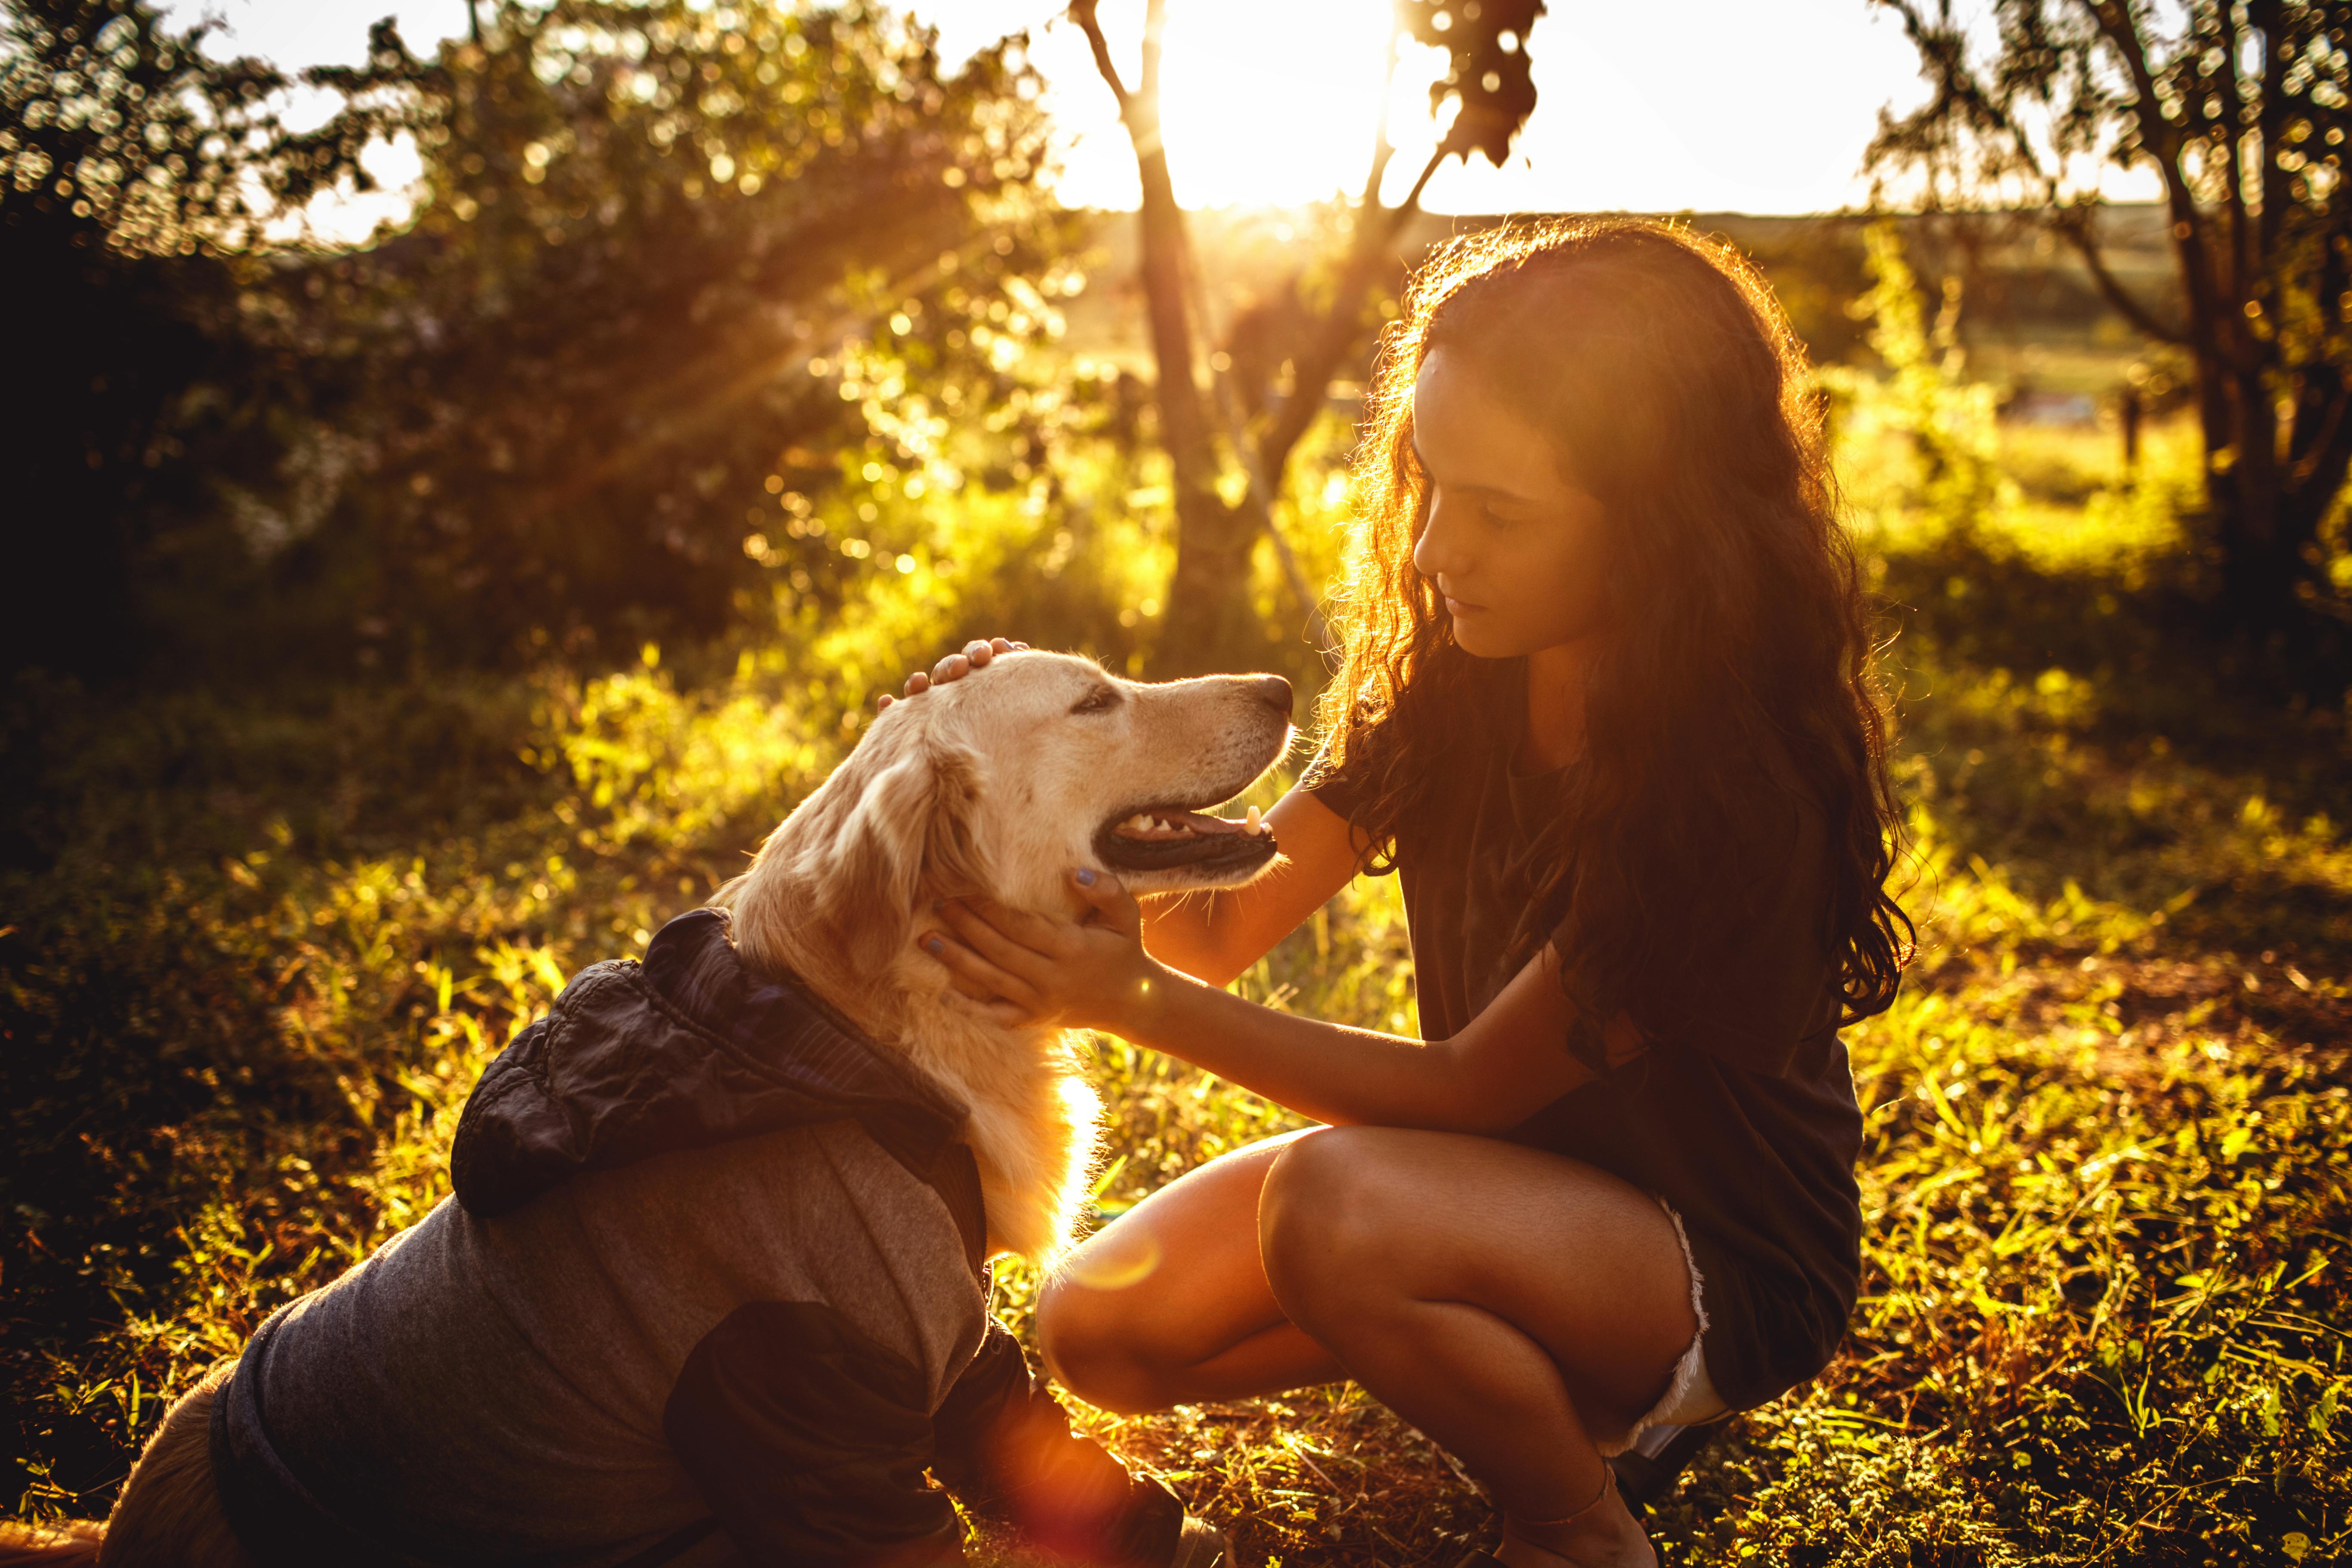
(1334, 790)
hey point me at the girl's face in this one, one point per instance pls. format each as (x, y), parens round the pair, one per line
(1515, 546)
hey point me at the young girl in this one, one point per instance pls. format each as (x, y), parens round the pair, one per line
(1606, 707)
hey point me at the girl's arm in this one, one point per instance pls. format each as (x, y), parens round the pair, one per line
(1510, 1061)
(1213, 936)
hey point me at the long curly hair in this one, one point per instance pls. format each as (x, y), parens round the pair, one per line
(1736, 666)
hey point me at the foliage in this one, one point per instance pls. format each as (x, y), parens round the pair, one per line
(2105, 1183)
(128, 132)
(1487, 74)
(131, 166)
(559, 405)
(2241, 112)
(260, 939)
(615, 340)
(1946, 466)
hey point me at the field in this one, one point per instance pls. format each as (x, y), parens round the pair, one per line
(271, 938)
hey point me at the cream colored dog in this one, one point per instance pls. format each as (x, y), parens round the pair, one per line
(999, 782)
(1003, 783)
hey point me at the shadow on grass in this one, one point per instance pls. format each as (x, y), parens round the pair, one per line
(2089, 727)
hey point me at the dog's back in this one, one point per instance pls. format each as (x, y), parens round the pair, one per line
(505, 1387)
(501, 1387)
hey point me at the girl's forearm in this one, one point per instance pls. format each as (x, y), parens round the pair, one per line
(1179, 930)
(1327, 1072)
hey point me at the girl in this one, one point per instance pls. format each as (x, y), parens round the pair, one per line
(1606, 706)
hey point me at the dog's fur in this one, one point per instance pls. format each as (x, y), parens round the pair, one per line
(997, 783)
(1000, 784)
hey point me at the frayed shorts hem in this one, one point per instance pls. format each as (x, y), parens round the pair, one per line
(1691, 1397)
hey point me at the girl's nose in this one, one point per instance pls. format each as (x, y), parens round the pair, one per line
(1433, 554)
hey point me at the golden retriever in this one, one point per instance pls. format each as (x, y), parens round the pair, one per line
(1001, 783)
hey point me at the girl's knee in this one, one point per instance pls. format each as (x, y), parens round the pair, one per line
(1326, 1217)
(1088, 1345)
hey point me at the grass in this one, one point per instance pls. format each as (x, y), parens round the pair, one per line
(256, 951)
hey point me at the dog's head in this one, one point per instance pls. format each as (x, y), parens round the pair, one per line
(1001, 783)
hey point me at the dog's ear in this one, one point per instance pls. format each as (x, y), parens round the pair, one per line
(910, 837)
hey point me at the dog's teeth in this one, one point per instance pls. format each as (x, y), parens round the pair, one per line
(1138, 823)
(1253, 824)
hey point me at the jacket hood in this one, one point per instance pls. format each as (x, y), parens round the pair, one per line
(687, 1049)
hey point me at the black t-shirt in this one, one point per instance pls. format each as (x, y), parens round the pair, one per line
(1743, 1118)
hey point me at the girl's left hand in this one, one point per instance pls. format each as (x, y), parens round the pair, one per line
(1089, 974)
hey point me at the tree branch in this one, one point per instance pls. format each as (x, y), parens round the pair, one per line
(2233, 186)
(1312, 370)
(2074, 221)
(2271, 121)
(2076, 225)
(1082, 12)
(2166, 143)
(1155, 34)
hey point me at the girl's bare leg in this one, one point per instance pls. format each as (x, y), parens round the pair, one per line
(1169, 1304)
(1516, 1306)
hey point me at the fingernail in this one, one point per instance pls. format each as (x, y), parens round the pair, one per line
(1085, 877)
(935, 945)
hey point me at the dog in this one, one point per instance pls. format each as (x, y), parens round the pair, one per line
(1003, 783)
(712, 1345)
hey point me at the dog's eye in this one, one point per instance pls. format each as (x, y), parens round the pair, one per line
(1101, 700)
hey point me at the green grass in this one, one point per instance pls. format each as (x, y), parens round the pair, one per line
(257, 949)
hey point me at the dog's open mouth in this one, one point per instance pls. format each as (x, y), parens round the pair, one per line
(1164, 838)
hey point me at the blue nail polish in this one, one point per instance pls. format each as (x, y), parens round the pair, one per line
(1085, 877)
(936, 945)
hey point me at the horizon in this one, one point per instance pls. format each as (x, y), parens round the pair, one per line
(1761, 112)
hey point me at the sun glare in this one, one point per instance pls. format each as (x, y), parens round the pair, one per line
(1265, 104)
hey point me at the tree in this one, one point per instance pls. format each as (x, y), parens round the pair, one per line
(573, 397)
(610, 350)
(1210, 622)
(2241, 110)
(134, 172)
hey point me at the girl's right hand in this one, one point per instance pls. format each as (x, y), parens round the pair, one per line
(1088, 973)
(955, 666)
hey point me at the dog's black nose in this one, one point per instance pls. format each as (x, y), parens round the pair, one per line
(1274, 690)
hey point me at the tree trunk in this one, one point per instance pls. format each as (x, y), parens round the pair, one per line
(1209, 624)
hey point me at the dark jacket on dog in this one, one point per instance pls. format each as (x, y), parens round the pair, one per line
(713, 1274)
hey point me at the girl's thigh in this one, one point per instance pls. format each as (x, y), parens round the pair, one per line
(1359, 1222)
(1169, 1303)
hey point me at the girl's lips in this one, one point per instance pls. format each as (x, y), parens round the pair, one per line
(1454, 606)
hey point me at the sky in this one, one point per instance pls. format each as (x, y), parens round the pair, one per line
(1759, 106)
